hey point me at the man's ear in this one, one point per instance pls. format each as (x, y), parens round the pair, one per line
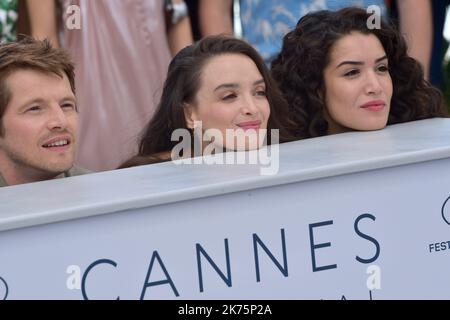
(189, 115)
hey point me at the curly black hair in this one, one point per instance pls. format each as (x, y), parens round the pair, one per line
(299, 70)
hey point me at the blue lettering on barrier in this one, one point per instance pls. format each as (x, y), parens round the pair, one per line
(343, 297)
(91, 266)
(227, 279)
(446, 212)
(6, 288)
(362, 235)
(318, 246)
(439, 246)
(257, 240)
(160, 282)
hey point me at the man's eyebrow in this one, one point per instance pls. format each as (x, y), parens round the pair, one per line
(69, 98)
(31, 101)
(42, 101)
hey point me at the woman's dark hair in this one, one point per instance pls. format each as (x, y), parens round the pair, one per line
(181, 86)
(299, 70)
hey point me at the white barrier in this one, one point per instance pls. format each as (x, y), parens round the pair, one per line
(354, 216)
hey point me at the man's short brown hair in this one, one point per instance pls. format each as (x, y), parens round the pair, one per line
(29, 53)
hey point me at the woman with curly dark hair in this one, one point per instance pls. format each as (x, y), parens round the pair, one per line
(338, 75)
(222, 84)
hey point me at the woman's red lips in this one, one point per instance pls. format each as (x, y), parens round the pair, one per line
(250, 125)
(375, 105)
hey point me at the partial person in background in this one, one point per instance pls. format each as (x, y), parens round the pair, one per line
(38, 113)
(122, 50)
(222, 83)
(415, 21)
(8, 20)
(265, 22)
(193, 15)
(337, 75)
(439, 43)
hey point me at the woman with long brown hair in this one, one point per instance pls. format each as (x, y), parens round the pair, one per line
(223, 83)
